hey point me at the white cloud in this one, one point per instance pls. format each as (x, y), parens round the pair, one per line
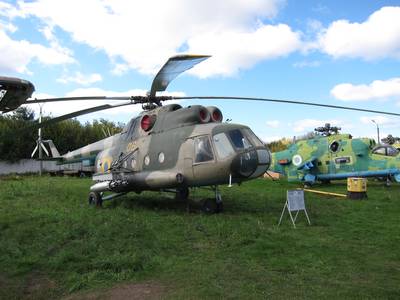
(270, 138)
(137, 36)
(307, 64)
(234, 50)
(380, 120)
(81, 79)
(16, 55)
(377, 37)
(378, 89)
(273, 123)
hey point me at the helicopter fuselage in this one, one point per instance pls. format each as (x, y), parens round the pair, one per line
(336, 157)
(173, 147)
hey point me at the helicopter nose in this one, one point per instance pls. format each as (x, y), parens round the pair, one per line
(251, 164)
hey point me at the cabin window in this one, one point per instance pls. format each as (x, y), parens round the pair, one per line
(342, 160)
(380, 151)
(223, 146)
(239, 140)
(334, 146)
(203, 151)
(133, 162)
(161, 157)
(147, 160)
(386, 150)
(253, 138)
(391, 151)
(129, 130)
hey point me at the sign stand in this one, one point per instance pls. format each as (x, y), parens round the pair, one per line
(294, 202)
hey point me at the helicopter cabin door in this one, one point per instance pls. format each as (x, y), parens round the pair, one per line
(203, 159)
(188, 159)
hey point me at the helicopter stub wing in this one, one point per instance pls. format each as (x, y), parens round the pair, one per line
(14, 92)
(172, 68)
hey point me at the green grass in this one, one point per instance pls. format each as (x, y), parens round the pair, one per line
(53, 244)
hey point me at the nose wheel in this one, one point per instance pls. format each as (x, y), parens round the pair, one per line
(212, 206)
(95, 198)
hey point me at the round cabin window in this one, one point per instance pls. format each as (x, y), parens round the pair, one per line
(147, 160)
(133, 163)
(161, 157)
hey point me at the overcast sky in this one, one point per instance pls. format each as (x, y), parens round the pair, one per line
(333, 52)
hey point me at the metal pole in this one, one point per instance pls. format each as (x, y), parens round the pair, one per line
(40, 143)
(377, 130)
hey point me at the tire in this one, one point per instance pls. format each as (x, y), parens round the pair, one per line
(182, 194)
(95, 199)
(220, 207)
(209, 206)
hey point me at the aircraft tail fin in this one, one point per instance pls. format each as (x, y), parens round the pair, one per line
(53, 149)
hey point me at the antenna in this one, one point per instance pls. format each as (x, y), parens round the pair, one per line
(39, 143)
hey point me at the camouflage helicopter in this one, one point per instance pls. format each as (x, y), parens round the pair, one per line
(167, 147)
(332, 156)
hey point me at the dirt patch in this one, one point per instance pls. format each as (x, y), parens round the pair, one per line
(36, 284)
(132, 291)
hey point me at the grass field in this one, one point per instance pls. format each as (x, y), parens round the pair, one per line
(53, 245)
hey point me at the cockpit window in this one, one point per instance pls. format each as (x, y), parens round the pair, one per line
(386, 150)
(253, 138)
(222, 145)
(203, 151)
(130, 129)
(391, 151)
(239, 141)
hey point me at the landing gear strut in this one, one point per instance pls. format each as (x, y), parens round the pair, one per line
(182, 194)
(213, 205)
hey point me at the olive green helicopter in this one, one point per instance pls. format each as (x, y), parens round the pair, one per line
(166, 147)
(330, 155)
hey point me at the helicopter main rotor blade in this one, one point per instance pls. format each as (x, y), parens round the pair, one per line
(172, 68)
(45, 100)
(289, 102)
(144, 99)
(78, 113)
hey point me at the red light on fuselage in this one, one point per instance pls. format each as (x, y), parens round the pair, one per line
(147, 122)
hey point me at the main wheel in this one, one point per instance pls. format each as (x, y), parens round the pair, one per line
(220, 207)
(182, 194)
(95, 199)
(210, 206)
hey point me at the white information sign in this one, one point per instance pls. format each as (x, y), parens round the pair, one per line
(294, 202)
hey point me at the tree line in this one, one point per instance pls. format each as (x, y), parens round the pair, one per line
(18, 138)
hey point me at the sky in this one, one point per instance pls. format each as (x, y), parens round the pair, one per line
(331, 52)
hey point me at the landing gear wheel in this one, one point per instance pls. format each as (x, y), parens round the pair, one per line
(209, 206)
(182, 194)
(220, 208)
(95, 198)
(388, 182)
